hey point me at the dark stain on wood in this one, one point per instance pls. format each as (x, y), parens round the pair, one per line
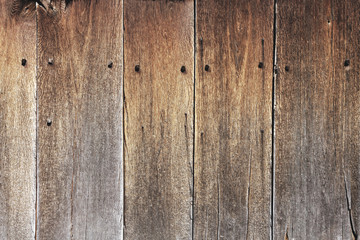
(67, 2)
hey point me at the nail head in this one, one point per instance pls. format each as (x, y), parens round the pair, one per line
(23, 62)
(207, 68)
(110, 65)
(261, 65)
(137, 68)
(347, 62)
(287, 68)
(48, 122)
(183, 69)
(51, 61)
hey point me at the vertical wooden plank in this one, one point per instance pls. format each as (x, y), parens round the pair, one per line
(158, 118)
(317, 120)
(80, 120)
(17, 120)
(347, 25)
(233, 119)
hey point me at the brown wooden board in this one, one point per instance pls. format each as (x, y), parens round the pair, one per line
(158, 112)
(80, 120)
(17, 120)
(234, 43)
(317, 147)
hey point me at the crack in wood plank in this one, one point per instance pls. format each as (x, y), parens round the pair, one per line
(348, 201)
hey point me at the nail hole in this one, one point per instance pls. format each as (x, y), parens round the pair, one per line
(110, 65)
(183, 69)
(207, 68)
(328, 21)
(347, 62)
(261, 65)
(137, 68)
(23, 62)
(275, 70)
(287, 68)
(48, 122)
(51, 61)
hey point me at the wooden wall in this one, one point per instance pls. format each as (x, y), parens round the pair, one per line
(179, 119)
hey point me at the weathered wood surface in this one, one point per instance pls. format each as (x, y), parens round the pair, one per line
(158, 112)
(61, 119)
(17, 120)
(233, 119)
(348, 48)
(80, 120)
(317, 120)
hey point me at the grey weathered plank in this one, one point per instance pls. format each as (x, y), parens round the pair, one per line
(317, 120)
(17, 120)
(158, 118)
(233, 119)
(80, 120)
(347, 25)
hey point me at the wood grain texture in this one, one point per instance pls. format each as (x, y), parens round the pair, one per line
(158, 118)
(347, 25)
(80, 120)
(17, 120)
(233, 119)
(317, 120)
